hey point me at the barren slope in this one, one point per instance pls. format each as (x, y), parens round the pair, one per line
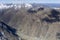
(40, 25)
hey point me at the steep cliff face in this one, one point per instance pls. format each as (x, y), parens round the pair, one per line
(40, 25)
(7, 32)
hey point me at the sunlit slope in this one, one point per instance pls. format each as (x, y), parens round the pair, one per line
(32, 24)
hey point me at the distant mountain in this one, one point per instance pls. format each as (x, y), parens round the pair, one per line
(5, 6)
(50, 5)
(16, 6)
(27, 5)
(53, 5)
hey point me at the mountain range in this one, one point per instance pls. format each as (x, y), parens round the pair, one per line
(27, 5)
(29, 22)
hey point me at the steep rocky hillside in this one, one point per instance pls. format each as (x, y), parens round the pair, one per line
(7, 32)
(40, 24)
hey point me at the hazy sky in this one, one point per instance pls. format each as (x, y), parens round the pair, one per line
(29, 1)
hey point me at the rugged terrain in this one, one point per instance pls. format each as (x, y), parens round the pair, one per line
(33, 24)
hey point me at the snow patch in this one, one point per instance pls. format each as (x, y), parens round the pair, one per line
(28, 5)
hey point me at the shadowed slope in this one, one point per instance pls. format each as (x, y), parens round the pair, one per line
(7, 32)
(54, 17)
